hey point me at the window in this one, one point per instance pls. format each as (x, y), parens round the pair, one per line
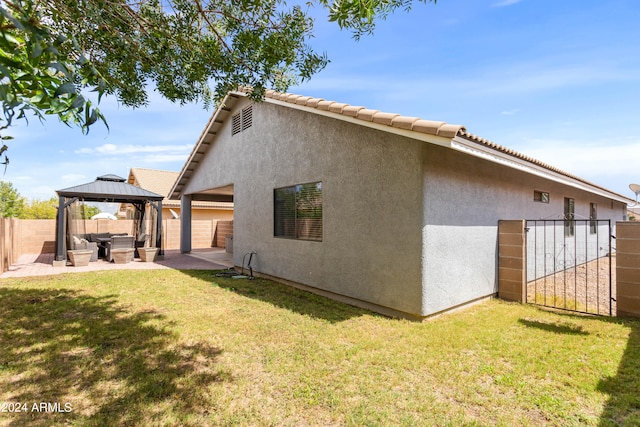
(242, 120)
(540, 196)
(593, 216)
(298, 212)
(569, 216)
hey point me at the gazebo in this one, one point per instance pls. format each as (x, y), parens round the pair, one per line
(108, 189)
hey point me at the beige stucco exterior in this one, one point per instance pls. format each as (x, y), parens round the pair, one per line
(160, 182)
(409, 221)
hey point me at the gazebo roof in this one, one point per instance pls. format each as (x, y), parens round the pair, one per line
(109, 188)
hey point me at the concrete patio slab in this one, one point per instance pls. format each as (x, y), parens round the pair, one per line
(199, 259)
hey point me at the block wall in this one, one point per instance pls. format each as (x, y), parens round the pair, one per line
(628, 268)
(9, 248)
(36, 236)
(511, 260)
(224, 229)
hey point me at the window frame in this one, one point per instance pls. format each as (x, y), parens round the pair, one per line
(540, 196)
(292, 219)
(569, 216)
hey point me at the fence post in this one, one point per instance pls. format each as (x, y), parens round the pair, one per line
(628, 269)
(511, 260)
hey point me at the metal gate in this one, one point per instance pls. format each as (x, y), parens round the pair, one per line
(569, 265)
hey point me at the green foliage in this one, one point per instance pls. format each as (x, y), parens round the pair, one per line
(81, 210)
(360, 16)
(41, 209)
(11, 202)
(54, 52)
(38, 73)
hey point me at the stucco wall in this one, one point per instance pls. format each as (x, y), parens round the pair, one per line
(464, 199)
(406, 225)
(372, 198)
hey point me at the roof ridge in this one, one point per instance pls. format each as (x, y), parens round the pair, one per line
(394, 120)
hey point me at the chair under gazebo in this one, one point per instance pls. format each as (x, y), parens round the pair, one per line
(70, 222)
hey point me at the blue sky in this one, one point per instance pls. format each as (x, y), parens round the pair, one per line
(556, 80)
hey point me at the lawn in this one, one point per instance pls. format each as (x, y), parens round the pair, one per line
(190, 349)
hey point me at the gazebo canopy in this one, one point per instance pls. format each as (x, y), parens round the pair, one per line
(109, 188)
(106, 189)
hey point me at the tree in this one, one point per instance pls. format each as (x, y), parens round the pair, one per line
(11, 202)
(81, 210)
(53, 52)
(41, 209)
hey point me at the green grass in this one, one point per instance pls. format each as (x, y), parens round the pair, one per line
(186, 348)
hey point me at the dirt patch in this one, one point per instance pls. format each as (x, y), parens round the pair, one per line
(585, 288)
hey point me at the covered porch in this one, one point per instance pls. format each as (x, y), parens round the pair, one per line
(219, 194)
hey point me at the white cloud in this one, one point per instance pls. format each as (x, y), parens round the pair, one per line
(607, 163)
(504, 3)
(73, 177)
(165, 158)
(127, 149)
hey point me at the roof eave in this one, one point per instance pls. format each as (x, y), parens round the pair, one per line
(394, 128)
(478, 147)
(97, 197)
(215, 120)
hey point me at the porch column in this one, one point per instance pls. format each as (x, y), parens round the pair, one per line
(159, 228)
(185, 224)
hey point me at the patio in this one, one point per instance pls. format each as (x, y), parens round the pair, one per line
(198, 259)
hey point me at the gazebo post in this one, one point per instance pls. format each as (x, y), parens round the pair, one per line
(60, 234)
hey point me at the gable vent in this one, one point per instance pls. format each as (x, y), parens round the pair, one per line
(242, 120)
(236, 124)
(247, 117)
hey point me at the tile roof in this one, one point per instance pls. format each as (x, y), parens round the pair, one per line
(377, 117)
(394, 120)
(416, 124)
(513, 153)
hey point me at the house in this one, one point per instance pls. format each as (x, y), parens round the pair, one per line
(160, 182)
(388, 212)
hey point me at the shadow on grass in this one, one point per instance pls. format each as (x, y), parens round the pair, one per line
(284, 296)
(623, 406)
(111, 365)
(566, 328)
